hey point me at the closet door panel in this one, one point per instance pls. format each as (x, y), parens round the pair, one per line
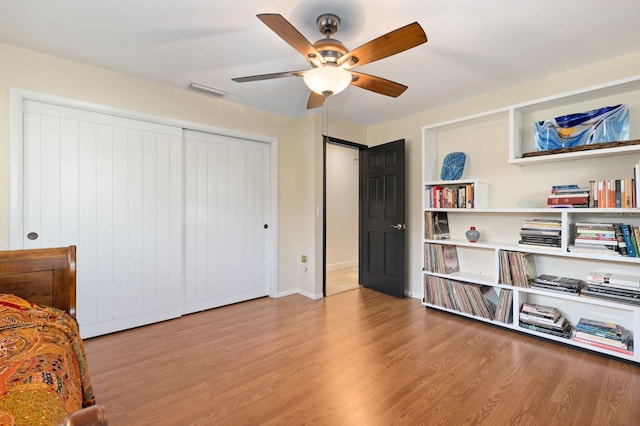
(227, 188)
(113, 187)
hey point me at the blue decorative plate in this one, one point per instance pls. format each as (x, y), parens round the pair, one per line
(453, 166)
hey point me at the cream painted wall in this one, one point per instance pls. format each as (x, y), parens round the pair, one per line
(33, 71)
(300, 145)
(308, 137)
(487, 146)
(342, 206)
(309, 168)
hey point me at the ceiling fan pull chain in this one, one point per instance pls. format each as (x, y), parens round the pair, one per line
(325, 116)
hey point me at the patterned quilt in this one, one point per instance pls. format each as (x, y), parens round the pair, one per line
(43, 370)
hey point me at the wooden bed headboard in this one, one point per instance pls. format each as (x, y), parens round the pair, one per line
(46, 276)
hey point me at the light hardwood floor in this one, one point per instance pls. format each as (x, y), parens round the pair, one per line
(340, 280)
(356, 358)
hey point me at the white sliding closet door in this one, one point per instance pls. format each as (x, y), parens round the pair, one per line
(113, 187)
(227, 192)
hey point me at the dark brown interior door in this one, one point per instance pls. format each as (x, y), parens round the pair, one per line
(382, 218)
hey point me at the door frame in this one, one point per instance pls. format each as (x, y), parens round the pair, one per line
(347, 144)
(17, 97)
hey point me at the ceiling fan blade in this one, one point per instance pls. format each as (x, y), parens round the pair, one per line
(315, 100)
(291, 35)
(377, 84)
(386, 45)
(268, 76)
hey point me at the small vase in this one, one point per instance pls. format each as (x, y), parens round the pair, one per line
(472, 234)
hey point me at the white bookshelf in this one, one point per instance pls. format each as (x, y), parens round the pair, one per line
(499, 227)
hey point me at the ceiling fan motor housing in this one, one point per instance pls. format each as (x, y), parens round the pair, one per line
(328, 24)
(331, 49)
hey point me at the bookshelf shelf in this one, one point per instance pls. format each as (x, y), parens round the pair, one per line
(523, 115)
(481, 263)
(519, 119)
(466, 193)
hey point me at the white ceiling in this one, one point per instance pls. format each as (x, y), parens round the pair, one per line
(474, 47)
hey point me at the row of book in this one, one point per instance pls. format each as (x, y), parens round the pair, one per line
(485, 302)
(615, 239)
(441, 258)
(473, 299)
(605, 193)
(541, 233)
(504, 312)
(516, 268)
(614, 193)
(450, 197)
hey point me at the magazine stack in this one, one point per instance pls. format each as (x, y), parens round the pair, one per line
(544, 319)
(555, 283)
(615, 287)
(596, 238)
(568, 196)
(541, 233)
(604, 335)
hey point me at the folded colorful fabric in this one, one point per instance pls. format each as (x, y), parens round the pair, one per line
(43, 369)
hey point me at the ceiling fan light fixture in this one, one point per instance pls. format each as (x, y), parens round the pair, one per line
(327, 80)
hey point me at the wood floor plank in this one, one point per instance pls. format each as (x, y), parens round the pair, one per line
(355, 358)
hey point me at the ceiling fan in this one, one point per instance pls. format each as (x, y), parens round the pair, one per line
(332, 63)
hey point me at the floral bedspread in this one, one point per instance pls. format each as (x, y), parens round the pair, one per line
(43, 370)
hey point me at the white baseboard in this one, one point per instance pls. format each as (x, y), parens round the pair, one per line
(310, 295)
(413, 295)
(341, 265)
(301, 293)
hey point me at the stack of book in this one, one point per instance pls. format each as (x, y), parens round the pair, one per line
(596, 238)
(605, 335)
(617, 287)
(543, 233)
(556, 283)
(568, 196)
(544, 319)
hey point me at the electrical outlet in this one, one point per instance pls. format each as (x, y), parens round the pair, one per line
(303, 258)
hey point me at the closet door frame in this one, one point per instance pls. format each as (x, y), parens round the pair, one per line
(17, 96)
